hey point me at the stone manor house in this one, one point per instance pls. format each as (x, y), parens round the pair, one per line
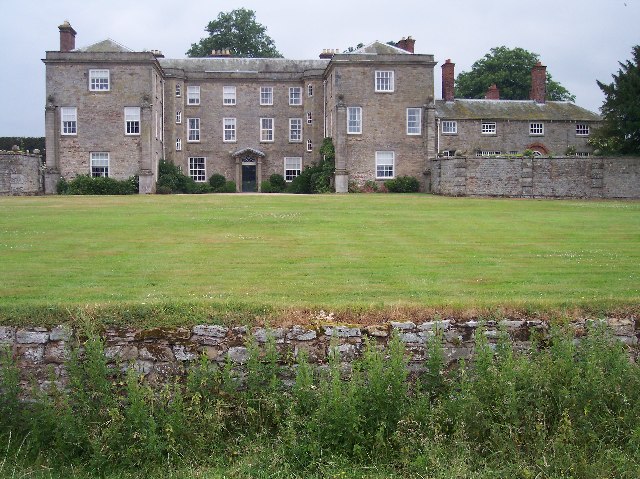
(115, 112)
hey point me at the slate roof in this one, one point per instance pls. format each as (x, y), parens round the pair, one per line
(524, 110)
(243, 65)
(105, 46)
(378, 48)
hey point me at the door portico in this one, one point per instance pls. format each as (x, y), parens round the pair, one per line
(248, 169)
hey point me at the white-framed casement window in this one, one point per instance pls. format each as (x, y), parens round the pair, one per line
(193, 130)
(295, 130)
(414, 121)
(309, 118)
(384, 81)
(99, 80)
(197, 168)
(228, 95)
(309, 90)
(266, 95)
(513, 152)
(99, 164)
(178, 90)
(536, 128)
(178, 144)
(179, 116)
(132, 120)
(449, 127)
(385, 164)
(582, 154)
(292, 167)
(582, 129)
(354, 120)
(229, 130)
(266, 129)
(69, 120)
(309, 145)
(193, 95)
(488, 128)
(485, 153)
(295, 95)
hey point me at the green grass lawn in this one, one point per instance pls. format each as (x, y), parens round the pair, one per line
(281, 252)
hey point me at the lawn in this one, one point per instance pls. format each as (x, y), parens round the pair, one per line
(335, 252)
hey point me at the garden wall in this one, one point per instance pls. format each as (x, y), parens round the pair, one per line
(566, 177)
(20, 173)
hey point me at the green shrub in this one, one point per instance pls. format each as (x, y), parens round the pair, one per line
(88, 185)
(278, 183)
(229, 187)
(403, 184)
(62, 187)
(316, 178)
(217, 182)
(170, 178)
(267, 187)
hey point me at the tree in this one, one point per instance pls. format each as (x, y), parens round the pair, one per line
(238, 32)
(510, 70)
(620, 130)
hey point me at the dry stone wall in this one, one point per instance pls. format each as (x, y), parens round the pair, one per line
(20, 173)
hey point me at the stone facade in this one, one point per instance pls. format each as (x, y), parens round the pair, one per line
(20, 173)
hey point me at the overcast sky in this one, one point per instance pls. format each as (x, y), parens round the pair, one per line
(579, 40)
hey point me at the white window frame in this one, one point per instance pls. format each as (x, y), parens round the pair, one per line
(179, 117)
(488, 128)
(309, 145)
(266, 130)
(198, 168)
(309, 118)
(582, 154)
(228, 95)
(309, 90)
(486, 153)
(354, 120)
(295, 130)
(384, 81)
(295, 95)
(100, 161)
(132, 120)
(385, 165)
(68, 120)
(229, 130)
(266, 95)
(99, 79)
(178, 144)
(449, 127)
(193, 95)
(292, 167)
(414, 121)
(193, 130)
(536, 128)
(178, 90)
(582, 129)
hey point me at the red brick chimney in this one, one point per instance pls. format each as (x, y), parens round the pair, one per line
(67, 37)
(538, 91)
(492, 93)
(448, 80)
(407, 44)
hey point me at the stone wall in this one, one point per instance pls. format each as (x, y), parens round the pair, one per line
(163, 353)
(565, 177)
(20, 173)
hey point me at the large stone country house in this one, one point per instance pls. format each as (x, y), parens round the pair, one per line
(114, 112)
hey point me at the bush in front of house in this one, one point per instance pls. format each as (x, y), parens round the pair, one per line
(403, 184)
(101, 185)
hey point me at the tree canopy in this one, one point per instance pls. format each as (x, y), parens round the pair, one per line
(620, 131)
(510, 70)
(239, 32)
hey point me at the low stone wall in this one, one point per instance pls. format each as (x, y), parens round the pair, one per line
(20, 173)
(163, 353)
(566, 177)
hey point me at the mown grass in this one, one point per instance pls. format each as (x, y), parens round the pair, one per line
(247, 255)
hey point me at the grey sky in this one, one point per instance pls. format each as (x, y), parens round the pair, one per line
(579, 40)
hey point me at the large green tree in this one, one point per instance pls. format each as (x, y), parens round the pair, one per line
(620, 131)
(239, 32)
(510, 70)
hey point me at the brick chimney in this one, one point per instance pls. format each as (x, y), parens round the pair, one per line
(492, 93)
(448, 80)
(224, 53)
(407, 44)
(538, 91)
(67, 37)
(328, 53)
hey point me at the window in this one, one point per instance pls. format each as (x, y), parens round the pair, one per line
(309, 90)
(582, 154)
(582, 129)
(100, 164)
(488, 128)
(266, 129)
(197, 168)
(193, 95)
(513, 152)
(266, 95)
(132, 120)
(309, 145)
(179, 144)
(414, 121)
(384, 164)
(295, 129)
(450, 127)
(178, 90)
(292, 168)
(481, 153)
(295, 95)
(99, 80)
(447, 153)
(228, 95)
(354, 120)
(193, 129)
(384, 81)
(69, 120)
(179, 116)
(309, 118)
(229, 129)
(536, 128)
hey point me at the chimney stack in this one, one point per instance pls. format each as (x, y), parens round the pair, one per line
(224, 53)
(328, 53)
(492, 93)
(538, 91)
(448, 80)
(67, 37)
(407, 44)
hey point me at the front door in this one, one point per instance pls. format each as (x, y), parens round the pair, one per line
(249, 184)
